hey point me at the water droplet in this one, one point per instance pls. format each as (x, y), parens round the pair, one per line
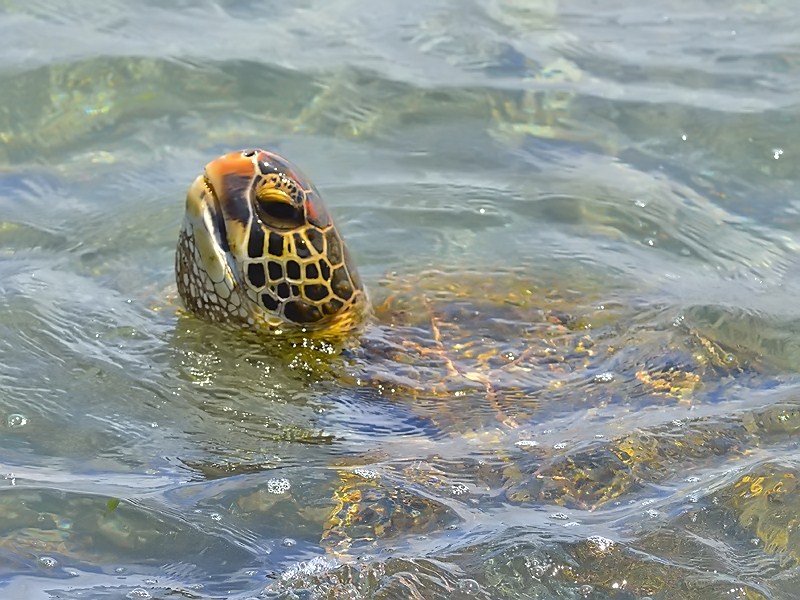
(47, 562)
(585, 590)
(777, 153)
(139, 594)
(289, 542)
(216, 517)
(16, 420)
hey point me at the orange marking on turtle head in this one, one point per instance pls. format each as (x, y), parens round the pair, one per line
(232, 163)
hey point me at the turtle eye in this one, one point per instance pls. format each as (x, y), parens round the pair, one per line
(276, 209)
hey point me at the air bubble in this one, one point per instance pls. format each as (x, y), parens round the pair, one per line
(526, 444)
(366, 473)
(470, 587)
(600, 543)
(278, 485)
(605, 377)
(16, 420)
(47, 562)
(459, 489)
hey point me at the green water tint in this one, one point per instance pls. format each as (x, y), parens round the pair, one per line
(581, 380)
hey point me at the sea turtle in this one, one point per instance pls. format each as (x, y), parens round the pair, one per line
(474, 352)
(259, 249)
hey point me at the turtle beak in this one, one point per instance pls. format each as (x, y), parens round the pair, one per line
(230, 178)
(206, 224)
(202, 208)
(228, 181)
(197, 199)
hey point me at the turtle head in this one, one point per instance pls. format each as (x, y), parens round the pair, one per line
(258, 247)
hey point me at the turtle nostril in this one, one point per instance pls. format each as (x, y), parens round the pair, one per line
(248, 153)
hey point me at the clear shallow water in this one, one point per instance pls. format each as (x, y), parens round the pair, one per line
(641, 159)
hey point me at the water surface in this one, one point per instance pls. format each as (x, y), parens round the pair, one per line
(603, 196)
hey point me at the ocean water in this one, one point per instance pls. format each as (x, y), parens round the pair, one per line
(579, 223)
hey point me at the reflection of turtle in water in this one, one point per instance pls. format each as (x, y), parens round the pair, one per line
(476, 351)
